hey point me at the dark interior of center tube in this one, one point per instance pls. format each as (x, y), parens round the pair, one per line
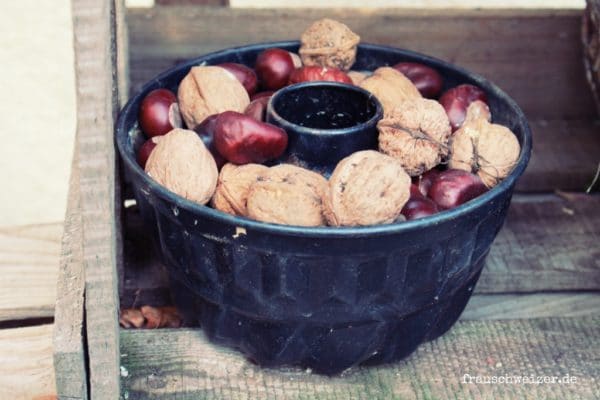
(325, 107)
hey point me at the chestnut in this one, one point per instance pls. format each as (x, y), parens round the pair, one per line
(206, 131)
(426, 79)
(264, 93)
(257, 109)
(273, 68)
(318, 73)
(146, 149)
(244, 74)
(159, 113)
(419, 207)
(454, 187)
(456, 100)
(425, 180)
(242, 139)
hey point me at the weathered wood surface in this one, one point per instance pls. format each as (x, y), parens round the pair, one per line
(547, 244)
(182, 364)
(534, 55)
(26, 363)
(95, 40)
(69, 335)
(536, 305)
(29, 258)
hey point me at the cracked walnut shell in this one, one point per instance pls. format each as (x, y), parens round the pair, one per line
(182, 163)
(329, 43)
(233, 186)
(366, 188)
(390, 87)
(208, 90)
(289, 195)
(416, 133)
(488, 150)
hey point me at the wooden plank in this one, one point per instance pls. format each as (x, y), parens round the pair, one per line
(547, 243)
(69, 336)
(537, 305)
(506, 46)
(26, 363)
(182, 364)
(565, 155)
(97, 103)
(29, 259)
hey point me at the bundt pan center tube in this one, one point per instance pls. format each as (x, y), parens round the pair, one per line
(325, 298)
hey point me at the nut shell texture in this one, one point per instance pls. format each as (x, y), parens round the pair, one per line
(289, 195)
(233, 186)
(488, 150)
(209, 90)
(329, 43)
(416, 133)
(182, 163)
(390, 87)
(366, 188)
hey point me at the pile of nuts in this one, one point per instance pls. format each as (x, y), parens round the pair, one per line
(209, 141)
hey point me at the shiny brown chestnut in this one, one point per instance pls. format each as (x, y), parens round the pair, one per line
(318, 73)
(426, 79)
(424, 181)
(241, 139)
(456, 101)
(273, 68)
(244, 74)
(206, 131)
(418, 206)
(257, 109)
(146, 149)
(454, 187)
(264, 93)
(159, 113)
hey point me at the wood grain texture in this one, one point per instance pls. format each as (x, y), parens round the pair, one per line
(547, 244)
(182, 364)
(29, 260)
(97, 103)
(565, 155)
(26, 363)
(536, 305)
(69, 335)
(534, 55)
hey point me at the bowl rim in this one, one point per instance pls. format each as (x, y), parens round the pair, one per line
(121, 136)
(308, 131)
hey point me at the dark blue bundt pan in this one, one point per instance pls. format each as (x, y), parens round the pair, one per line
(323, 298)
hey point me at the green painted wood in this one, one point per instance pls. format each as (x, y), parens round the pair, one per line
(181, 364)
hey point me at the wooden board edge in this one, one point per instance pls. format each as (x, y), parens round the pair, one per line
(69, 335)
(95, 33)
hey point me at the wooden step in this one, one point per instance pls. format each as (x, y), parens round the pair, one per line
(182, 364)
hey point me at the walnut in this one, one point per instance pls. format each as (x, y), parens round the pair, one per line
(209, 90)
(182, 163)
(357, 76)
(287, 194)
(391, 88)
(366, 188)
(329, 43)
(416, 133)
(233, 185)
(488, 150)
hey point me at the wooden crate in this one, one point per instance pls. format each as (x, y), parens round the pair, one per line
(536, 307)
